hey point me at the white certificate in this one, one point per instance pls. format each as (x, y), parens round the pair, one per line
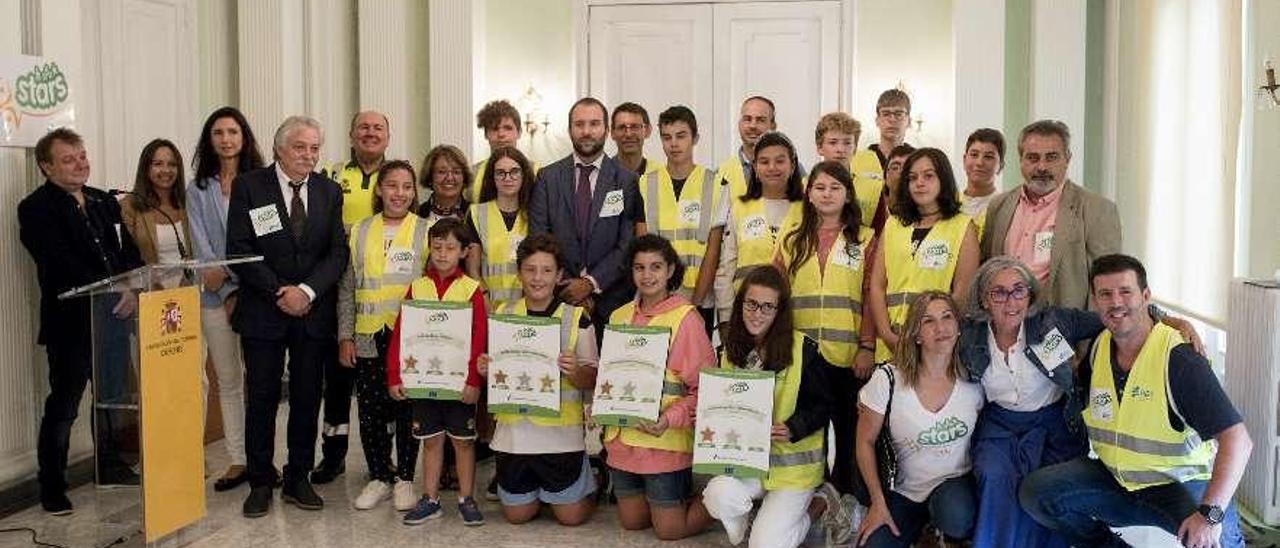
(435, 345)
(633, 362)
(524, 378)
(735, 422)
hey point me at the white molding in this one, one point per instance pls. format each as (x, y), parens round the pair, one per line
(581, 15)
(451, 68)
(978, 34)
(1058, 43)
(1110, 100)
(392, 74)
(271, 64)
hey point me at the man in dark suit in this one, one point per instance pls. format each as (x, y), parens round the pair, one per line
(590, 204)
(74, 235)
(292, 217)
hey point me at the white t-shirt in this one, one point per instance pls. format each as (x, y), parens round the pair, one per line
(931, 447)
(167, 252)
(975, 206)
(1013, 382)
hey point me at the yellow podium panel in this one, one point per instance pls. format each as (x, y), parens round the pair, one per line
(172, 412)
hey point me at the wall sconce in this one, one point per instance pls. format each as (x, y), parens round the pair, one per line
(536, 119)
(1267, 98)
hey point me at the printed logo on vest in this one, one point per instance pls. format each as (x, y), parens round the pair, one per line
(690, 212)
(1139, 393)
(933, 254)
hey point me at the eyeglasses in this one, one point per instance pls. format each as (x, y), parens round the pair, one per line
(1000, 294)
(447, 173)
(896, 113)
(752, 305)
(513, 175)
(633, 128)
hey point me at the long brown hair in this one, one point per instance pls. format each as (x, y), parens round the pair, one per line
(775, 349)
(803, 241)
(489, 185)
(144, 195)
(908, 352)
(388, 167)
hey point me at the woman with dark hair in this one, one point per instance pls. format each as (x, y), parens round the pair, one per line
(760, 337)
(930, 410)
(826, 258)
(445, 175)
(226, 149)
(157, 201)
(500, 222)
(651, 465)
(754, 220)
(927, 245)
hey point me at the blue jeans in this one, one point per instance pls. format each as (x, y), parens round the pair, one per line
(1081, 500)
(952, 507)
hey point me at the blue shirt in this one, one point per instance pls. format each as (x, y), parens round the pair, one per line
(207, 213)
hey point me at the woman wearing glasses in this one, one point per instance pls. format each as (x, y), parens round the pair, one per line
(445, 174)
(1022, 354)
(500, 222)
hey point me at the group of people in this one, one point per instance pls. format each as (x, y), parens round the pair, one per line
(963, 349)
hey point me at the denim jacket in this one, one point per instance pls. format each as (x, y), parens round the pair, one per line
(207, 213)
(1075, 325)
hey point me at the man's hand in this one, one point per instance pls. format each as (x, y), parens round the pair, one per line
(863, 363)
(470, 394)
(347, 353)
(126, 305)
(1195, 532)
(576, 291)
(292, 300)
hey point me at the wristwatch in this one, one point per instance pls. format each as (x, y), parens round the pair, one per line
(1212, 514)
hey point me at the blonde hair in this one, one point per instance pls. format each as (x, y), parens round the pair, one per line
(907, 354)
(837, 121)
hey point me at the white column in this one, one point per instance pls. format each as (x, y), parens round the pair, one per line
(1058, 35)
(331, 74)
(452, 67)
(271, 63)
(393, 72)
(978, 31)
(217, 67)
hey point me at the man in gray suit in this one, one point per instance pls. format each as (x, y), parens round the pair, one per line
(1050, 223)
(590, 204)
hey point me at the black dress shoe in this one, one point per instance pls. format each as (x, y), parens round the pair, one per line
(258, 503)
(56, 504)
(300, 493)
(228, 483)
(327, 472)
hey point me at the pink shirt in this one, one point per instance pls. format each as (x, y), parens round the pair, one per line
(690, 351)
(1030, 237)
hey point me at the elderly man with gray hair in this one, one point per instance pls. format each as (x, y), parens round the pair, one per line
(1020, 349)
(292, 217)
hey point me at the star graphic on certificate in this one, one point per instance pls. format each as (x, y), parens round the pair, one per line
(732, 437)
(500, 377)
(433, 366)
(605, 389)
(408, 368)
(524, 379)
(708, 435)
(629, 390)
(546, 383)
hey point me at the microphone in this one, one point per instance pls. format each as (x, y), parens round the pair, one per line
(182, 249)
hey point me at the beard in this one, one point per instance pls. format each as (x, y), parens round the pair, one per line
(588, 147)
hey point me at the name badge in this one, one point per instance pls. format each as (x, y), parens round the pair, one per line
(848, 256)
(1100, 404)
(754, 227)
(266, 220)
(612, 204)
(1044, 246)
(1054, 350)
(933, 254)
(400, 260)
(872, 175)
(690, 211)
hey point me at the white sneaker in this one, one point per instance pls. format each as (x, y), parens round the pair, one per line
(373, 493)
(404, 498)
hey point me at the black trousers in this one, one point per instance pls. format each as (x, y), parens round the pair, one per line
(383, 420)
(70, 367)
(844, 419)
(339, 383)
(264, 367)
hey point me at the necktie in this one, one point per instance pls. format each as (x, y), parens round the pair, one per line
(582, 202)
(297, 211)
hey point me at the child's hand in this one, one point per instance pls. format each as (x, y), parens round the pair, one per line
(780, 432)
(482, 365)
(654, 429)
(470, 394)
(396, 391)
(568, 363)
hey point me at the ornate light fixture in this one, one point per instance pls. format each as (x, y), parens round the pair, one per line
(1267, 97)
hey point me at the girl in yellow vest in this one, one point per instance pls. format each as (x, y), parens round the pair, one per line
(500, 222)
(826, 257)
(927, 245)
(761, 337)
(651, 465)
(753, 221)
(543, 459)
(388, 250)
(928, 410)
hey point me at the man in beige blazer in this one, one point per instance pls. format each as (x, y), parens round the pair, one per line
(1050, 223)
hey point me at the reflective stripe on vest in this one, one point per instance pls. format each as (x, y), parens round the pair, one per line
(570, 396)
(868, 183)
(357, 199)
(827, 304)
(755, 236)
(685, 220)
(909, 272)
(498, 260)
(1132, 435)
(377, 292)
(679, 440)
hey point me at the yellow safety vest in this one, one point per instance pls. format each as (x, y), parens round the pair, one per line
(734, 177)
(828, 305)
(1132, 436)
(379, 289)
(757, 240)
(478, 169)
(570, 396)
(792, 465)
(498, 261)
(460, 291)
(684, 220)
(868, 183)
(679, 440)
(910, 272)
(357, 190)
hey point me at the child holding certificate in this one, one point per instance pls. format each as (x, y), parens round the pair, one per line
(651, 464)
(434, 418)
(543, 459)
(761, 337)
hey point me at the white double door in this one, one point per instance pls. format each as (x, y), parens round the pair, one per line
(709, 57)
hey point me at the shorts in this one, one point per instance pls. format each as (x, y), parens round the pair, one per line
(553, 478)
(432, 417)
(661, 489)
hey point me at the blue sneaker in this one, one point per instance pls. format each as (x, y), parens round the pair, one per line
(424, 511)
(470, 512)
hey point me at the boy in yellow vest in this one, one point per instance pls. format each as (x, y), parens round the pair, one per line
(1153, 407)
(444, 281)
